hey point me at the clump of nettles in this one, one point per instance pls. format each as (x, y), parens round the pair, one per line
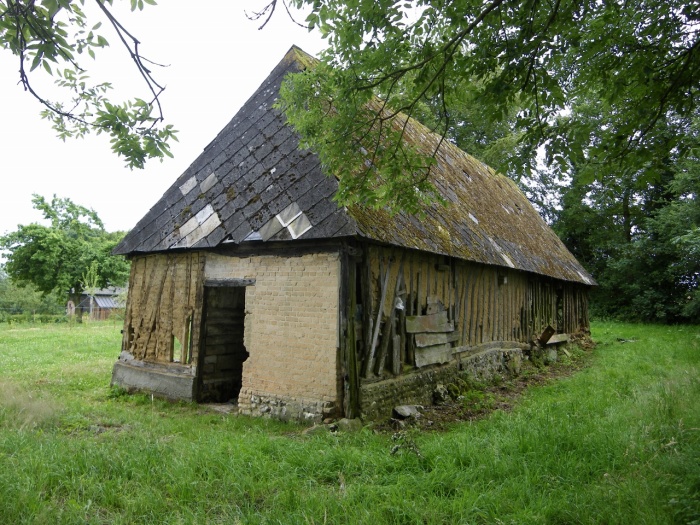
(404, 441)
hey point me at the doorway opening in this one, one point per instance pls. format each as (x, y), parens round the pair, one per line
(222, 351)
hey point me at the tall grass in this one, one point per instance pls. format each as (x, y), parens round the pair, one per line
(618, 442)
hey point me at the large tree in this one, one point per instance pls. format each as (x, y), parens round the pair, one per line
(55, 37)
(56, 257)
(638, 60)
(637, 232)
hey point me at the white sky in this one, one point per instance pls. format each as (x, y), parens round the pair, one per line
(217, 59)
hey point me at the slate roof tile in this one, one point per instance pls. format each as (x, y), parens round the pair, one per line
(254, 169)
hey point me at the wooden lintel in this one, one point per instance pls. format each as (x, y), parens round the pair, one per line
(214, 283)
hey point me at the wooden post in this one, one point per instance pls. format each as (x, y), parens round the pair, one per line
(353, 402)
(463, 301)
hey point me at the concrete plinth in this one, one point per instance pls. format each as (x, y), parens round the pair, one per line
(158, 381)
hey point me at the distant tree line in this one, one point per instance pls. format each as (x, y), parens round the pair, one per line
(26, 303)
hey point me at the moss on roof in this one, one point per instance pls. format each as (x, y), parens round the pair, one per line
(255, 169)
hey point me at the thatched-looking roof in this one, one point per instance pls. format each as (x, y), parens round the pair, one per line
(254, 183)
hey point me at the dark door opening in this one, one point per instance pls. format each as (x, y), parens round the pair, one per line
(222, 351)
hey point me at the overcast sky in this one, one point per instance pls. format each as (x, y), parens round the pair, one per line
(217, 58)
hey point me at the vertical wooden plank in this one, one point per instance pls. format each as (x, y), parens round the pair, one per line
(365, 288)
(511, 323)
(463, 300)
(382, 269)
(471, 308)
(436, 280)
(488, 308)
(427, 284)
(514, 310)
(478, 303)
(446, 283)
(530, 312)
(474, 309)
(458, 281)
(496, 306)
(517, 309)
(401, 329)
(419, 295)
(508, 323)
(409, 288)
(396, 358)
(542, 313)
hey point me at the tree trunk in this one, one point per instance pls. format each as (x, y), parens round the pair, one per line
(626, 215)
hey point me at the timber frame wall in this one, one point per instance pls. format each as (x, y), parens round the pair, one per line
(400, 312)
(471, 306)
(164, 308)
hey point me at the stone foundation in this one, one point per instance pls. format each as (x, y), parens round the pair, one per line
(285, 408)
(378, 398)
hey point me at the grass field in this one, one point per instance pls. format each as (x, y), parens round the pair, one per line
(617, 442)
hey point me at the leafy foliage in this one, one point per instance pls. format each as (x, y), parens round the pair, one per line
(638, 236)
(638, 61)
(16, 300)
(55, 258)
(53, 36)
(591, 106)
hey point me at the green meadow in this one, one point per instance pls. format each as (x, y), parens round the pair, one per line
(616, 442)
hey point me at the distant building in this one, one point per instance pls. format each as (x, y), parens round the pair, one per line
(104, 302)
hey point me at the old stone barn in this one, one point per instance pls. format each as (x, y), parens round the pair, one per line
(249, 284)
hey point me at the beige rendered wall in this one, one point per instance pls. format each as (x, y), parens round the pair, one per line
(291, 333)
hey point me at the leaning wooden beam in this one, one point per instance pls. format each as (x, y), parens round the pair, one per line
(389, 328)
(546, 335)
(369, 363)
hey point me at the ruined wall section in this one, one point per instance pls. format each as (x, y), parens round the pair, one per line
(425, 314)
(163, 310)
(291, 332)
(488, 362)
